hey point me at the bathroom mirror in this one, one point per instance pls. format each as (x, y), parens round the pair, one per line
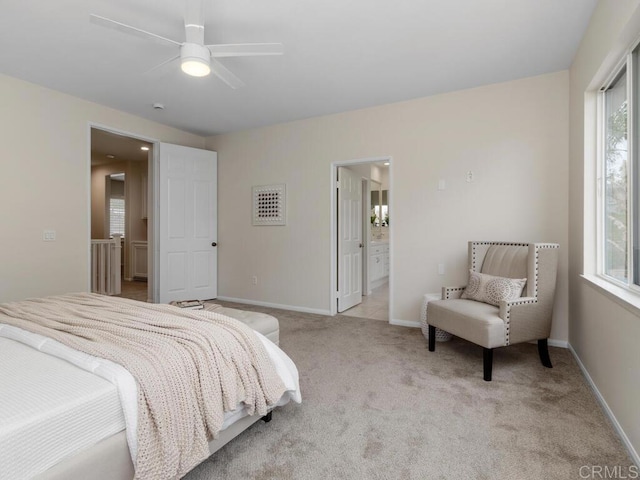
(379, 214)
(375, 203)
(379, 205)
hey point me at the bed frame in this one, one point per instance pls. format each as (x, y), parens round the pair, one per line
(110, 459)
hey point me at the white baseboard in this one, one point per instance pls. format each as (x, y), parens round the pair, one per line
(405, 323)
(274, 305)
(379, 282)
(558, 343)
(614, 421)
(402, 323)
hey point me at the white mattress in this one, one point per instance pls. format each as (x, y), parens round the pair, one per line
(55, 385)
(49, 409)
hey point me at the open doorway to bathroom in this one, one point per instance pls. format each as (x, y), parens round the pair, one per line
(119, 210)
(362, 228)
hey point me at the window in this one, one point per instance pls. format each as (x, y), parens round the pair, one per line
(116, 216)
(115, 204)
(619, 185)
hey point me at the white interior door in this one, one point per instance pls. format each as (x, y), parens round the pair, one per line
(188, 224)
(349, 239)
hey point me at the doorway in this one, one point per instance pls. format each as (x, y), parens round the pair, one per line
(375, 264)
(120, 167)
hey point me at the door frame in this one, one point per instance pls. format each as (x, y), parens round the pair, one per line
(333, 290)
(366, 229)
(153, 229)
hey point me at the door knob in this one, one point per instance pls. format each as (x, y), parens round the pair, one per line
(214, 244)
(361, 245)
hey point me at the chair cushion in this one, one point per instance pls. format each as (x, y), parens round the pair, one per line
(477, 322)
(492, 290)
(508, 261)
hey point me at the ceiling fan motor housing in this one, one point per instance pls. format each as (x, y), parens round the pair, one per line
(194, 59)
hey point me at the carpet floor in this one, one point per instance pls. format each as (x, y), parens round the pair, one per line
(378, 405)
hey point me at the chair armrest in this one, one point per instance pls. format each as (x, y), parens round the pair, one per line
(509, 305)
(525, 320)
(451, 293)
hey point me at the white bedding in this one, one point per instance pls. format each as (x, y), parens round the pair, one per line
(49, 409)
(19, 450)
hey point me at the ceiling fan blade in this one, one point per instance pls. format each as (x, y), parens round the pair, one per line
(160, 65)
(245, 49)
(224, 74)
(108, 23)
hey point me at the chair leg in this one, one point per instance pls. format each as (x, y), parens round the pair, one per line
(543, 351)
(487, 358)
(432, 338)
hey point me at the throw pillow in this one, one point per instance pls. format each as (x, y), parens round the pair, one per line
(489, 289)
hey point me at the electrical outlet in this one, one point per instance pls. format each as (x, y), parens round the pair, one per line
(254, 280)
(49, 235)
(469, 176)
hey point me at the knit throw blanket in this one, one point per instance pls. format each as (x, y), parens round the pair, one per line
(190, 368)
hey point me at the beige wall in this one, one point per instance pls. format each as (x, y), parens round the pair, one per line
(513, 136)
(603, 334)
(45, 144)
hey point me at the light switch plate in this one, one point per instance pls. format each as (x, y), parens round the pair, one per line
(49, 235)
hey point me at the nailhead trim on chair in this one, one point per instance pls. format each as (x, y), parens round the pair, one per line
(511, 244)
(538, 247)
(508, 315)
(473, 249)
(535, 290)
(449, 290)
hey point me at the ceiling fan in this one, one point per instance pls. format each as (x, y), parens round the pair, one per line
(196, 58)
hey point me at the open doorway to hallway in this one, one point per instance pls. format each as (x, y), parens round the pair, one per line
(119, 207)
(362, 225)
(374, 306)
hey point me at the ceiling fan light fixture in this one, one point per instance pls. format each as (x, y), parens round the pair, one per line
(194, 60)
(195, 68)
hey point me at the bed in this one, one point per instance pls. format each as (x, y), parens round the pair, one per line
(65, 413)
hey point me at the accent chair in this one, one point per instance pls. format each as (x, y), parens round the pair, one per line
(508, 300)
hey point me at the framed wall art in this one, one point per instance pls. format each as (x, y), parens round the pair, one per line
(269, 204)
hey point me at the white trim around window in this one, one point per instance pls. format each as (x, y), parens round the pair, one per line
(617, 188)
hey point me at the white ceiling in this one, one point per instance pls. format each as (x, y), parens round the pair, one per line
(339, 55)
(105, 145)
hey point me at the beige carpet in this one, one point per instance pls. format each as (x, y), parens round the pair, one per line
(378, 405)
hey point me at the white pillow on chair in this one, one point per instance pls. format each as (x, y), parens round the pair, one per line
(490, 289)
